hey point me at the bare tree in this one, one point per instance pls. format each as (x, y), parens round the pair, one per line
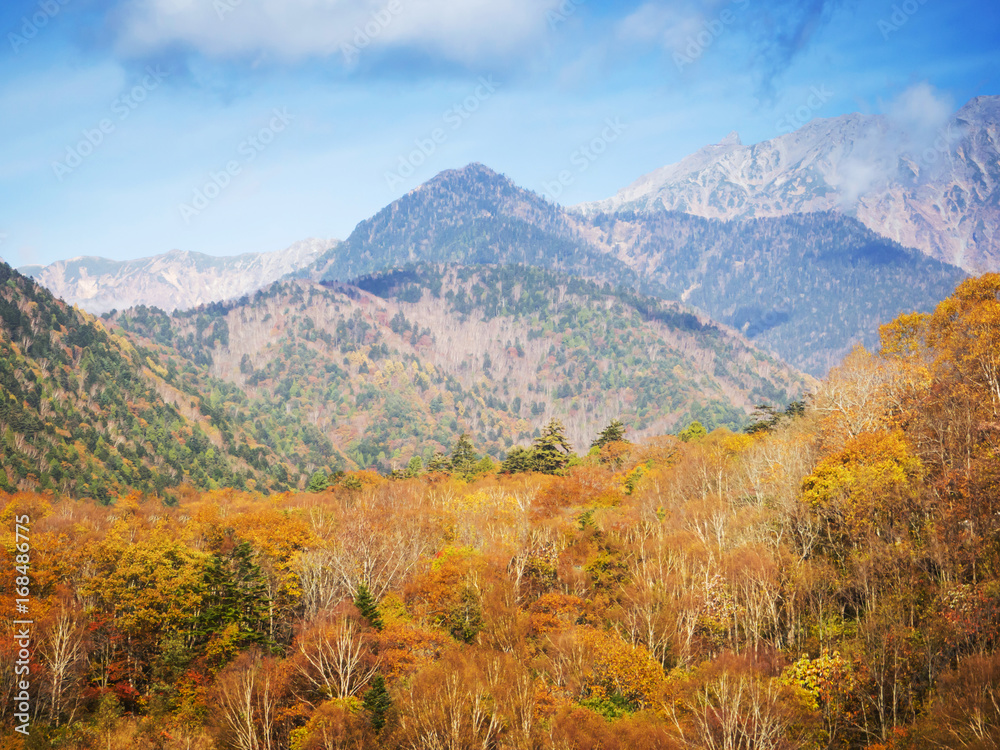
(336, 658)
(246, 694)
(62, 652)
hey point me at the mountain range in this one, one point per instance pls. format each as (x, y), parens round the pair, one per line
(936, 189)
(175, 280)
(807, 286)
(804, 243)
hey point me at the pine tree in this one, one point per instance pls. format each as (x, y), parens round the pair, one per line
(318, 482)
(235, 594)
(439, 462)
(367, 606)
(464, 456)
(415, 468)
(518, 460)
(613, 433)
(551, 449)
(377, 703)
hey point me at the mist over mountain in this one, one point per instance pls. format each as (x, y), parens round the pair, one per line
(924, 181)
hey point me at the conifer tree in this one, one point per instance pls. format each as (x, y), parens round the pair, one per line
(318, 482)
(551, 449)
(377, 703)
(464, 456)
(367, 606)
(613, 433)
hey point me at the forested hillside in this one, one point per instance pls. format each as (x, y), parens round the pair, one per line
(829, 578)
(399, 365)
(82, 412)
(808, 287)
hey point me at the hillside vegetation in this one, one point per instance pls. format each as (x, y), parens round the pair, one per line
(830, 579)
(399, 365)
(82, 412)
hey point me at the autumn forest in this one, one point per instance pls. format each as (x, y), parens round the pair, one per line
(826, 576)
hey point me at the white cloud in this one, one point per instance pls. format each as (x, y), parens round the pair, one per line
(670, 24)
(469, 31)
(920, 109)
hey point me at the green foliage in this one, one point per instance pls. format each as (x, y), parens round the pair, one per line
(464, 456)
(693, 433)
(551, 450)
(377, 703)
(106, 429)
(611, 707)
(318, 482)
(415, 467)
(235, 603)
(519, 460)
(613, 433)
(367, 606)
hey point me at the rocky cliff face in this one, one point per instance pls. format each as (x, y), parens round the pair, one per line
(173, 281)
(938, 191)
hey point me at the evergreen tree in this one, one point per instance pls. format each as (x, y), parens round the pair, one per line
(613, 433)
(464, 456)
(377, 703)
(439, 462)
(415, 468)
(367, 606)
(235, 593)
(318, 482)
(551, 450)
(518, 460)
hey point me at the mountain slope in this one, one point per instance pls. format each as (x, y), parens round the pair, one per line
(174, 280)
(806, 287)
(469, 216)
(85, 413)
(401, 364)
(938, 192)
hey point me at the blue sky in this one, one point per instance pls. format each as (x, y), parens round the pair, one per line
(133, 127)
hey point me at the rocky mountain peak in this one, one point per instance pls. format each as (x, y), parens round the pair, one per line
(936, 190)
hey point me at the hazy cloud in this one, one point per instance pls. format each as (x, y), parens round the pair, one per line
(469, 32)
(914, 137)
(771, 34)
(920, 111)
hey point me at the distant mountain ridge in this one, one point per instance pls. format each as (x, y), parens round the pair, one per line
(171, 281)
(938, 192)
(807, 287)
